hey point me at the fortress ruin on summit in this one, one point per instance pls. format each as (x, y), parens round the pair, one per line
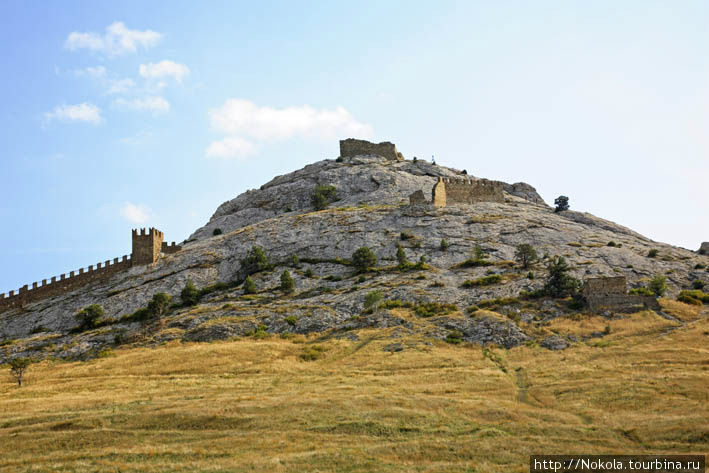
(147, 247)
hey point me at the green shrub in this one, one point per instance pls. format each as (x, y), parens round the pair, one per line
(695, 294)
(500, 301)
(217, 286)
(255, 261)
(652, 253)
(641, 291)
(190, 294)
(525, 255)
(323, 196)
(401, 256)
(422, 263)
(217, 231)
(697, 284)
(372, 300)
(159, 304)
(287, 282)
(559, 283)
(612, 244)
(530, 275)
(687, 299)
(249, 286)
(363, 259)
(454, 337)
(484, 281)
(406, 236)
(89, 316)
(291, 320)
(308, 273)
(396, 304)
(658, 285)
(699, 266)
(444, 245)
(561, 203)
(429, 309)
(295, 261)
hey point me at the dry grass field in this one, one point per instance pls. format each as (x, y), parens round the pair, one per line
(256, 405)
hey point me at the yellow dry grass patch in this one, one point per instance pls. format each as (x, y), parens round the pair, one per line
(253, 405)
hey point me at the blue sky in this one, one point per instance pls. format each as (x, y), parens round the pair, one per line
(119, 115)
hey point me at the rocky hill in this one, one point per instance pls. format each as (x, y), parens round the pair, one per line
(371, 209)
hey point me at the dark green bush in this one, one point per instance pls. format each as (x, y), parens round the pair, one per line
(372, 300)
(401, 256)
(406, 236)
(652, 253)
(525, 255)
(696, 295)
(444, 245)
(159, 304)
(190, 294)
(697, 284)
(308, 273)
(429, 309)
(363, 259)
(255, 261)
(641, 291)
(687, 299)
(658, 285)
(561, 203)
(291, 320)
(287, 282)
(217, 231)
(454, 337)
(323, 196)
(89, 316)
(699, 266)
(559, 283)
(484, 281)
(249, 286)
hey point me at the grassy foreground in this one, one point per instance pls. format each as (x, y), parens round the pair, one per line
(255, 405)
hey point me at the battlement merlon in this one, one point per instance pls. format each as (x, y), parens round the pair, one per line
(353, 147)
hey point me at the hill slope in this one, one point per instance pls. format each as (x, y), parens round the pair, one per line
(372, 210)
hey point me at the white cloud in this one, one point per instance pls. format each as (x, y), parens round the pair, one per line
(156, 105)
(156, 70)
(230, 147)
(135, 213)
(242, 117)
(117, 40)
(83, 112)
(98, 72)
(119, 86)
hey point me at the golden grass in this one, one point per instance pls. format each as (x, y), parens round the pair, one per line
(253, 405)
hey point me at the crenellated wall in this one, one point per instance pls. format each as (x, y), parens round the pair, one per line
(353, 147)
(63, 283)
(449, 191)
(147, 247)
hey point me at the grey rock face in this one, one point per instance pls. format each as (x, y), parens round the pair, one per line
(554, 342)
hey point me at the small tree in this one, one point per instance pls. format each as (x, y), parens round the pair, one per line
(478, 253)
(217, 231)
(190, 293)
(652, 253)
(363, 259)
(372, 300)
(18, 366)
(444, 245)
(322, 196)
(159, 304)
(525, 255)
(88, 316)
(249, 286)
(559, 283)
(401, 256)
(295, 260)
(562, 203)
(287, 283)
(255, 261)
(658, 285)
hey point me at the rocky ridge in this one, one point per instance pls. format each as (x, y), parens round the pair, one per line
(372, 210)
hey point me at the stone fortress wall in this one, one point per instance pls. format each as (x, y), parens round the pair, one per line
(147, 247)
(448, 191)
(352, 147)
(612, 293)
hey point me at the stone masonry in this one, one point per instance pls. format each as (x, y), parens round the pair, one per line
(611, 293)
(704, 248)
(147, 247)
(353, 147)
(449, 191)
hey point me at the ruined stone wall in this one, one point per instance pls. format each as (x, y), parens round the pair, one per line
(352, 147)
(605, 286)
(63, 283)
(146, 246)
(704, 248)
(622, 303)
(449, 191)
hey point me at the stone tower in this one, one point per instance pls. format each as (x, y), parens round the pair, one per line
(146, 246)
